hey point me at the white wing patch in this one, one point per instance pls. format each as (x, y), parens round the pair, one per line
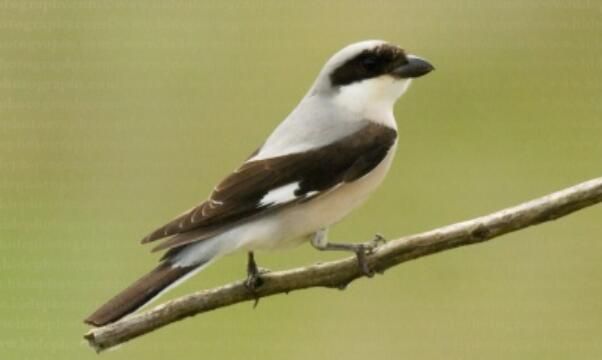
(280, 195)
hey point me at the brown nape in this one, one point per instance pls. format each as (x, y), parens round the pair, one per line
(368, 64)
(137, 294)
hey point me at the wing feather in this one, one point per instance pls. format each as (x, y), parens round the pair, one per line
(239, 196)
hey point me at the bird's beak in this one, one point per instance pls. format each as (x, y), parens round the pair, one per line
(415, 67)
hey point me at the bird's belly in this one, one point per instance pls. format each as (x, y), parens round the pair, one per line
(297, 223)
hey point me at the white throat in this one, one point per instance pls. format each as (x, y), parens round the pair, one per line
(373, 99)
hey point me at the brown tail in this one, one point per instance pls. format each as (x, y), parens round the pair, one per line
(138, 294)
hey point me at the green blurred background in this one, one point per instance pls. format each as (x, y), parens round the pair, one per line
(116, 116)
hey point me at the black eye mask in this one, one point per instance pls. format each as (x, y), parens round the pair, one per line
(369, 64)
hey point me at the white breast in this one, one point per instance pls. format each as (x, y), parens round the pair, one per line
(292, 225)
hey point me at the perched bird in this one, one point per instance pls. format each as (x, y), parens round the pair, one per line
(320, 163)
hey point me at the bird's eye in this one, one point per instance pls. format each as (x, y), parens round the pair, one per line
(369, 62)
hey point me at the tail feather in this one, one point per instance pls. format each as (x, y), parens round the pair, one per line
(139, 293)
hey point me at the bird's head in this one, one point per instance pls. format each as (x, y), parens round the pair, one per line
(369, 74)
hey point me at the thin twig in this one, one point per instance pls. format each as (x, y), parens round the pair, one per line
(338, 274)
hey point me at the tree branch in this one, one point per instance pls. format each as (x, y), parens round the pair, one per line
(339, 273)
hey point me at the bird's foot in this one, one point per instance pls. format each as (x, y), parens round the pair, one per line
(367, 248)
(361, 250)
(254, 281)
(377, 241)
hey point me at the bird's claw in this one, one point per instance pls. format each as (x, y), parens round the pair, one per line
(361, 252)
(254, 281)
(379, 239)
(373, 244)
(368, 248)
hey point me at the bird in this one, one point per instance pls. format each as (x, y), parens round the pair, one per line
(320, 163)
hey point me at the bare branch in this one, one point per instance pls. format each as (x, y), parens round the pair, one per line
(338, 274)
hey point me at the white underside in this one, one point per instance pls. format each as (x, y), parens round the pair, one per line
(293, 225)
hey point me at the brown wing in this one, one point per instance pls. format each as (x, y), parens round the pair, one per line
(239, 196)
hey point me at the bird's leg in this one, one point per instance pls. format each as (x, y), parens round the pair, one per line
(320, 242)
(254, 280)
